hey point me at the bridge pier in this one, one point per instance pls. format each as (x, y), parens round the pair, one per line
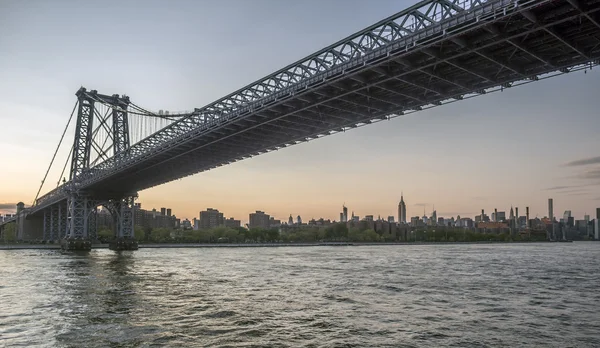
(81, 227)
(125, 239)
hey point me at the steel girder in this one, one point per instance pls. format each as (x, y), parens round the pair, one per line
(425, 21)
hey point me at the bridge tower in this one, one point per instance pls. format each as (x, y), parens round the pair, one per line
(79, 214)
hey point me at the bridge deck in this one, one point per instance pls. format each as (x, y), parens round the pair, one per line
(493, 45)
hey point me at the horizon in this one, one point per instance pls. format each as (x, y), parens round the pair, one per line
(518, 147)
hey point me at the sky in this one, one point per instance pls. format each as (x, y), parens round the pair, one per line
(518, 147)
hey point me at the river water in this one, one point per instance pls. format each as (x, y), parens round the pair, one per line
(500, 295)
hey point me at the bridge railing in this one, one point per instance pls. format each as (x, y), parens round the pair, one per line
(50, 198)
(419, 25)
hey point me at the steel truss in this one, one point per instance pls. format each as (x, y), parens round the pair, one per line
(92, 220)
(47, 224)
(124, 209)
(431, 54)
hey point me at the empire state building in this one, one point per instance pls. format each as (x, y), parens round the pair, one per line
(402, 210)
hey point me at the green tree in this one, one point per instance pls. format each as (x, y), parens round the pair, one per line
(160, 235)
(371, 236)
(10, 233)
(105, 233)
(138, 233)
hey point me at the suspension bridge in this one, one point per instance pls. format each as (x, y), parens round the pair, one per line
(433, 53)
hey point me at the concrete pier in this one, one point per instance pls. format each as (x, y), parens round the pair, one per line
(121, 244)
(76, 244)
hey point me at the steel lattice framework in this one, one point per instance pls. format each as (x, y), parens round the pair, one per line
(433, 53)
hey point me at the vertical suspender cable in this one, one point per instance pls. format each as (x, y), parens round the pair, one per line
(55, 152)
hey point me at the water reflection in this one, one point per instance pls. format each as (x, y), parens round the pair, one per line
(100, 296)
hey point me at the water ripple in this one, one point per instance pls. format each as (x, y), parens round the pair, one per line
(369, 296)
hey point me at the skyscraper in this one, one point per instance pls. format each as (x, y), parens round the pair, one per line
(402, 210)
(345, 211)
(550, 210)
(597, 225)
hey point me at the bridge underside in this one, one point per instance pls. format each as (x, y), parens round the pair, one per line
(475, 57)
(519, 47)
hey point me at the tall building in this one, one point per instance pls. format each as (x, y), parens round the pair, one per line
(345, 211)
(597, 229)
(259, 220)
(211, 218)
(402, 210)
(498, 216)
(151, 218)
(550, 210)
(299, 219)
(291, 219)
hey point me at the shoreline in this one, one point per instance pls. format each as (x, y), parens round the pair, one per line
(262, 245)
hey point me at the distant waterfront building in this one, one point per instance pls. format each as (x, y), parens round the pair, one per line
(274, 222)
(163, 211)
(211, 218)
(299, 219)
(148, 218)
(344, 213)
(551, 209)
(291, 219)
(499, 216)
(402, 210)
(433, 221)
(259, 220)
(233, 223)
(390, 219)
(319, 222)
(414, 221)
(597, 223)
(186, 224)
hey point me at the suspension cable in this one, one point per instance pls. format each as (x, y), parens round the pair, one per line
(64, 167)
(55, 152)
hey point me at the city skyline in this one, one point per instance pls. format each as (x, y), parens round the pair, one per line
(518, 147)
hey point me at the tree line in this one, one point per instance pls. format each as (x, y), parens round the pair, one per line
(310, 234)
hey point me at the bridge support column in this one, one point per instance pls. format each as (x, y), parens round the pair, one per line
(92, 221)
(54, 222)
(77, 238)
(61, 232)
(125, 225)
(47, 225)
